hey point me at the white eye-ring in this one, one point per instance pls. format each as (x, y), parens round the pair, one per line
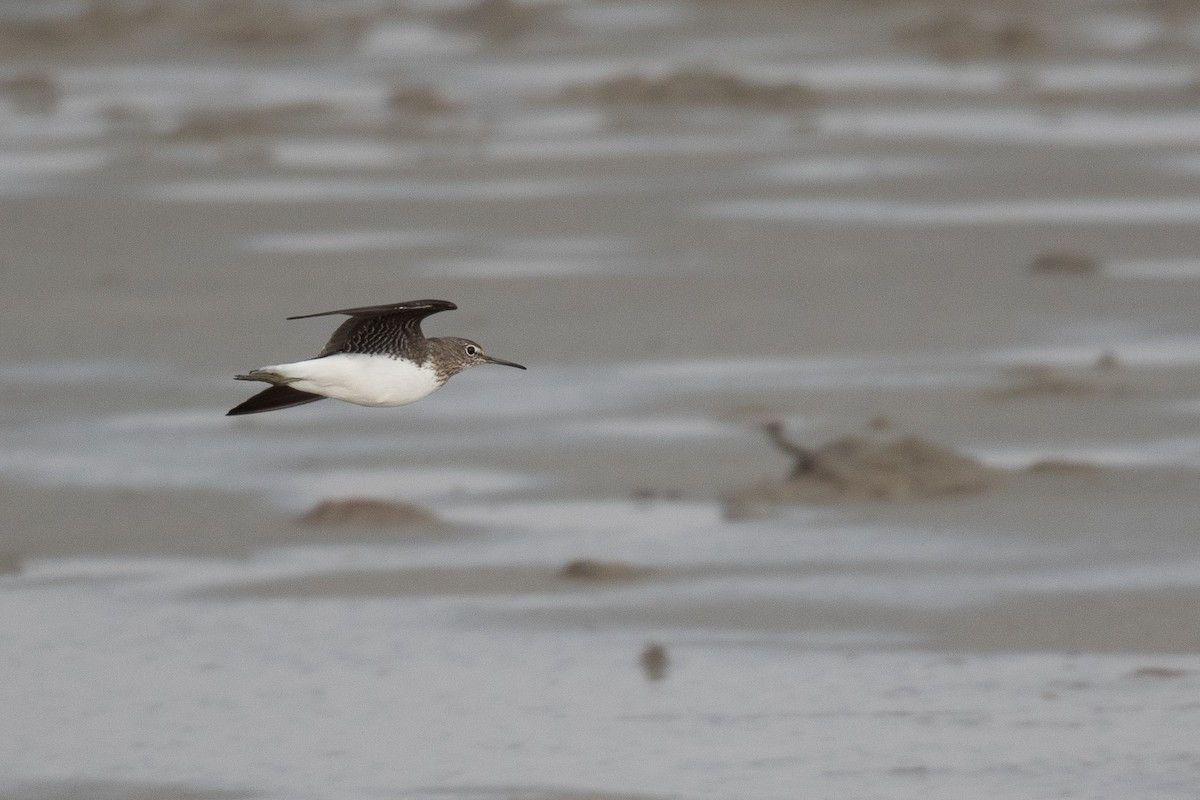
(472, 349)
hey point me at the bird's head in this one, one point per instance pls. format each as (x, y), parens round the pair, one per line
(458, 354)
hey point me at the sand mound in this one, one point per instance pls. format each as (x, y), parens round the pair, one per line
(245, 24)
(961, 35)
(366, 511)
(855, 469)
(252, 25)
(503, 19)
(10, 562)
(587, 569)
(1104, 378)
(31, 93)
(97, 23)
(215, 125)
(694, 87)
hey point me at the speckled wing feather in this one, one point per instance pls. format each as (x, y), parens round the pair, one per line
(387, 329)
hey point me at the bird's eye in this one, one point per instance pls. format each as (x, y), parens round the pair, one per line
(472, 349)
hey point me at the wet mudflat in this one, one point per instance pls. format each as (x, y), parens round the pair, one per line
(947, 248)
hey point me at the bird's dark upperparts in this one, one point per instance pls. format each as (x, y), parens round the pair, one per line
(377, 357)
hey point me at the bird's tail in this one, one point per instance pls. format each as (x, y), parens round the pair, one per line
(264, 375)
(273, 398)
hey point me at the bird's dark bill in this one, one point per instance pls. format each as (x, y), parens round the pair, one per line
(502, 362)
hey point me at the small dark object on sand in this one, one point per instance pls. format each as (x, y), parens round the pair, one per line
(1158, 672)
(418, 100)
(1065, 466)
(596, 571)
(367, 512)
(648, 494)
(654, 661)
(695, 87)
(1065, 262)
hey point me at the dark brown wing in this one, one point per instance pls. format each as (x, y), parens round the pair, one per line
(379, 329)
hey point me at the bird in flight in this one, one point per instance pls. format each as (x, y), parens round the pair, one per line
(377, 357)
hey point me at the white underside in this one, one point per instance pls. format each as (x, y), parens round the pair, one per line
(365, 380)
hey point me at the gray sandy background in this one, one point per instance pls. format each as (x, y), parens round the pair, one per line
(974, 223)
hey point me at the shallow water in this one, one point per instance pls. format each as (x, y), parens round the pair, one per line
(1052, 211)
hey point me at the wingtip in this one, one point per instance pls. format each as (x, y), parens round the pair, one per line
(273, 398)
(438, 305)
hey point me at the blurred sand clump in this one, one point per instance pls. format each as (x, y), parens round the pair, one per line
(218, 124)
(961, 34)
(247, 24)
(96, 23)
(1065, 262)
(1065, 466)
(1173, 11)
(366, 512)
(503, 20)
(239, 23)
(856, 469)
(31, 93)
(10, 563)
(1104, 377)
(421, 100)
(404, 103)
(1158, 673)
(597, 571)
(694, 86)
